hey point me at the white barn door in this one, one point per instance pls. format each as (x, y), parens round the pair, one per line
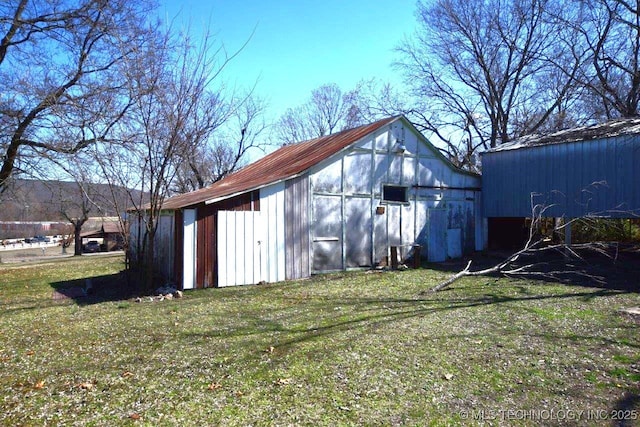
(189, 249)
(241, 248)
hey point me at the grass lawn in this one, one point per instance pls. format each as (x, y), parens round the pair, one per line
(340, 349)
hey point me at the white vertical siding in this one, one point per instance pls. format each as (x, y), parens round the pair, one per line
(189, 249)
(240, 250)
(272, 205)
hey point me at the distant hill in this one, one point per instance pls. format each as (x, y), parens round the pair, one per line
(34, 200)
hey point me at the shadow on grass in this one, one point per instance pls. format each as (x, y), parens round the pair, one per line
(626, 410)
(403, 309)
(620, 271)
(92, 290)
(369, 312)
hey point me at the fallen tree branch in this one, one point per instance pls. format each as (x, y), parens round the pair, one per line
(525, 270)
(536, 244)
(452, 279)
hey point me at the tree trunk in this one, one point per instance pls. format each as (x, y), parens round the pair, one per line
(77, 229)
(149, 266)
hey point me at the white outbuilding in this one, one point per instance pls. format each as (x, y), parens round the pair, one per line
(344, 201)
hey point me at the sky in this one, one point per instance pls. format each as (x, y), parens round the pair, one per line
(298, 46)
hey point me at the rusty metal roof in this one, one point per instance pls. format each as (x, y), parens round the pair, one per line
(286, 162)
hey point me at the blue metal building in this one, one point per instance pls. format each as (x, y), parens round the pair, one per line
(587, 171)
(592, 170)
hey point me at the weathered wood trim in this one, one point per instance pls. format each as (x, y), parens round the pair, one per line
(297, 246)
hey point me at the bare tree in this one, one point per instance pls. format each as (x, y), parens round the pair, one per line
(178, 103)
(484, 72)
(66, 234)
(17, 204)
(120, 171)
(56, 58)
(327, 111)
(76, 208)
(84, 200)
(166, 95)
(225, 150)
(610, 30)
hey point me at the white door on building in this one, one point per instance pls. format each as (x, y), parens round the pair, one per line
(241, 248)
(189, 249)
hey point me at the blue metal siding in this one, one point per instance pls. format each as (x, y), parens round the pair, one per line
(577, 178)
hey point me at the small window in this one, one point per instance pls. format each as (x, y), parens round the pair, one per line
(395, 193)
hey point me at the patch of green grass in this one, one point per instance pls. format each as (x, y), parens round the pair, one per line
(623, 358)
(620, 372)
(339, 349)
